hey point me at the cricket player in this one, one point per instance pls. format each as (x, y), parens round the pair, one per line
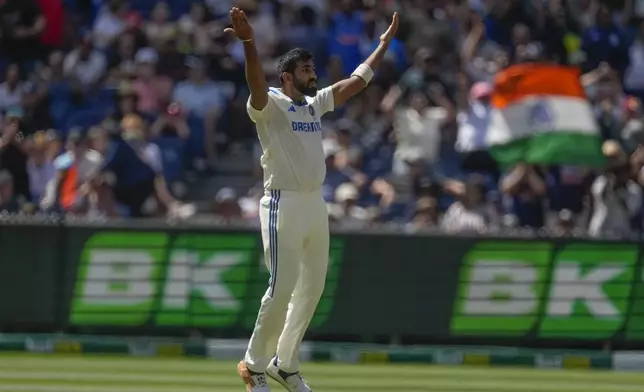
(293, 214)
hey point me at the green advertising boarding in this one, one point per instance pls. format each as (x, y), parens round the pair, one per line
(190, 280)
(578, 290)
(161, 279)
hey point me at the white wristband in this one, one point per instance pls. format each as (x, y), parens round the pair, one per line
(364, 72)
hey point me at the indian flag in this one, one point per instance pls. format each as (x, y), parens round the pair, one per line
(540, 115)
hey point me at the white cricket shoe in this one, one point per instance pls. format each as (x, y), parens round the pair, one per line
(293, 382)
(255, 382)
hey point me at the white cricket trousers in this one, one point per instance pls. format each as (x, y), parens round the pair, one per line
(295, 233)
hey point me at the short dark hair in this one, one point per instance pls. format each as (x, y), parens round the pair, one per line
(288, 61)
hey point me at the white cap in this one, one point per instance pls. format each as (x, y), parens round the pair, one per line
(330, 147)
(146, 56)
(346, 191)
(226, 194)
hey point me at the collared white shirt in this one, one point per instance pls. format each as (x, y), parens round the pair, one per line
(290, 134)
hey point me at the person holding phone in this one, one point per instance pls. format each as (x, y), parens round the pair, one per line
(172, 123)
(13, 158)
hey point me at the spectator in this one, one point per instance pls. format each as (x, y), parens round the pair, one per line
(160, 30)
(54, 145)
(502, 19)
(85, 65)
(345, 209)
(616, 198)
(53, 72)
(524, 190)
(345, 31)
(171, 62)
(557, 28)
(605, 41)
(609, 101)
(473, 125)
(40, 168)
(305, 32)
(371, 39)
(196, 30)
(21, 26)
(153, 91)
(226, 205)
(471, 213)
(110, 23)
(417, 127)
(241, 129)
(12, 90)
(201, 97)
(198, 94)
(129, 177)
(424, 71)
(74, 168)
(567, 187)
(147, 155)
(585, 11)
(425, 215)
(121, 62)
(401, 173)
(334, 175)
(13, 158)
(349, 151)
(171, 123)
(54, 15)
(249, 204)
(634, 77)
(632, 135)
(8, 200)
(565, 225)
(36, 100)
(126, 103)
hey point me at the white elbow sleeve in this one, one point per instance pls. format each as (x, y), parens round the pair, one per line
(364, 72)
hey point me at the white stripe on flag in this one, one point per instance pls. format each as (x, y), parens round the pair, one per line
(541, 114)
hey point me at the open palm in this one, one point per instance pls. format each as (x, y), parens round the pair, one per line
(241, 28)
(388, 35)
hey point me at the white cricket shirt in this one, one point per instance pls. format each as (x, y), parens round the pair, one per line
(291, 137)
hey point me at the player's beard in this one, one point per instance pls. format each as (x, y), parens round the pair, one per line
(306, 88)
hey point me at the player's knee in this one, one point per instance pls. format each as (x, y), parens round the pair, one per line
(281, 296)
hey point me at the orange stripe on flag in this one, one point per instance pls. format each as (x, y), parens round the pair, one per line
(521, 81)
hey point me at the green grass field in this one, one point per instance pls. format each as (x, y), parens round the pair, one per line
(56, 373)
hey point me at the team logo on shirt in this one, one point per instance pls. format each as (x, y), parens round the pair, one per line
(311, 110)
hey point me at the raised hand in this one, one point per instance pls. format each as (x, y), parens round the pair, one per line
(388, 35)
(241, 28)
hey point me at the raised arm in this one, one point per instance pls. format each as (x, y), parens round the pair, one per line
(254, 74)
(347, 88)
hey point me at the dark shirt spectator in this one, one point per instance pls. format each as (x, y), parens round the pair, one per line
(21, 26)
(9, 202)
(53, 13)
(524, 190)
(132, 180)
(605, 42)
(567, 186)
(345, 31)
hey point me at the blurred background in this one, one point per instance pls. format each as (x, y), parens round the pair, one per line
(130, 181)
(165, 77)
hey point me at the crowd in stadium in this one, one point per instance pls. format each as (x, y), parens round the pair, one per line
(121, 108)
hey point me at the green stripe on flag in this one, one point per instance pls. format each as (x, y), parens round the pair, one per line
(552, 148)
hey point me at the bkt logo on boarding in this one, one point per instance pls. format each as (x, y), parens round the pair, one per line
(305, 126)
